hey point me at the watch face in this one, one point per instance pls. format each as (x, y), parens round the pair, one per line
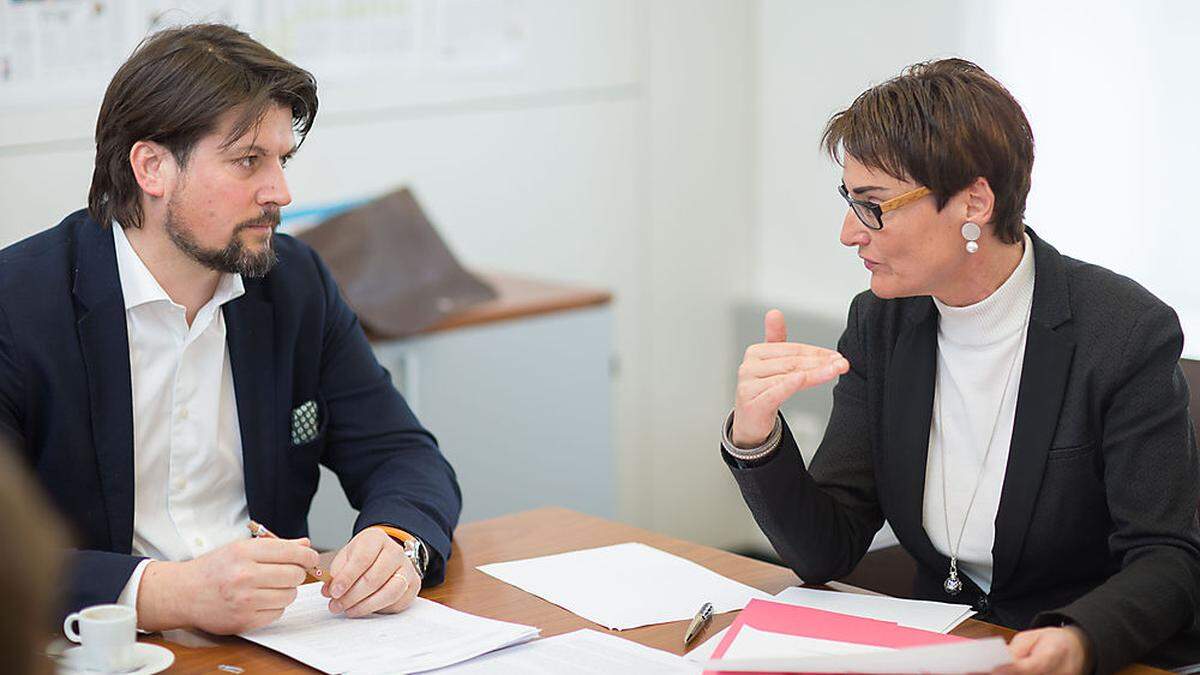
(416, 552)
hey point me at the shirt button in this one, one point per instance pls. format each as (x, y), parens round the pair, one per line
(179, 484)
(199, 542)
(183, 413)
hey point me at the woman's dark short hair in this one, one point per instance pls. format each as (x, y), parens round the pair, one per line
(943, 124)
(173, 90)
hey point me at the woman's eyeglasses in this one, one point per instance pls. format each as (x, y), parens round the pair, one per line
(871, 214)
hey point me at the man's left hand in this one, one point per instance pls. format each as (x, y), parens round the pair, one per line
(371, 574)
(1056, 651)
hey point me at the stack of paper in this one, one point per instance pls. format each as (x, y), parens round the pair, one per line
(775, 637)
(938, 617)
(625, 585)
(584, 652)
(423, 637)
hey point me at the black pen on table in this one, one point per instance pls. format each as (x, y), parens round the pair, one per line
(703, 616)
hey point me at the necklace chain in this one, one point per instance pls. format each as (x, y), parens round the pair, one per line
(953, 585)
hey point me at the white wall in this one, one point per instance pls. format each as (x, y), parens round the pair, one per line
(814, 59)
(1112, 90)
(698, 190)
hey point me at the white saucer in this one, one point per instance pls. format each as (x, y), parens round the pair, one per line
(147, 658)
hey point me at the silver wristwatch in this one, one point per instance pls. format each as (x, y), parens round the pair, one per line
(416, 551)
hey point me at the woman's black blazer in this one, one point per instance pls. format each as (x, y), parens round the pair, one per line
(1097, 522)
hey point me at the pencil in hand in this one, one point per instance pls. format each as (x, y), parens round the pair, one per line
(259, 530)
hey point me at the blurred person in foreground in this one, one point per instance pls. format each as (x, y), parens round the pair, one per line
(1019, 417)
(29, 587)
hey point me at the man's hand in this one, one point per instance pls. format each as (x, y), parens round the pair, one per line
(371, 574)
(770, 373)
(238, 587)
(1048, 651)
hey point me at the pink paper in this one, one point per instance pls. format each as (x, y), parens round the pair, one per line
(777, 617)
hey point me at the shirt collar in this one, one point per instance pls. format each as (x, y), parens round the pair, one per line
(229, 288)
(140, 287)
(996, 317)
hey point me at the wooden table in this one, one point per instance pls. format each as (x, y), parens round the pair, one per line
(534, 533)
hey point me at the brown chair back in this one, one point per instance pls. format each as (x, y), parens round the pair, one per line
(1191, 373)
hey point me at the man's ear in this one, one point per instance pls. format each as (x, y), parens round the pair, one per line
(153, 166)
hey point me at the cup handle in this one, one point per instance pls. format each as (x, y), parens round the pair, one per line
(68, 631)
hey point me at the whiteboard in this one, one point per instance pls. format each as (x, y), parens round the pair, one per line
(369, 56)
(56, 51)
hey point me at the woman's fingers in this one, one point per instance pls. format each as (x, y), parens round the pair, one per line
(774, 327)
(751, 389)
(787, 364)
(775, 350)
(786, 385)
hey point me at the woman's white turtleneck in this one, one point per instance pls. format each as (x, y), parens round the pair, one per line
(977, 346)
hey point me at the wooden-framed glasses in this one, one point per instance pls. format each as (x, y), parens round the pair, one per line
(871, 214)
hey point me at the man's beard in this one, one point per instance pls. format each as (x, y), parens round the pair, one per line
(234, 258)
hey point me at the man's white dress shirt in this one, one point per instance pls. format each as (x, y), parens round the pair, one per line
(189, 489)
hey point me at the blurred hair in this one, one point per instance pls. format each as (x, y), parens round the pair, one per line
(943, 124)
(173, 90)
(35, 542)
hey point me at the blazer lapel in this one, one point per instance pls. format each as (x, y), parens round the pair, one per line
(1044, 375)
(907, 409)
(104, 342)
(250, 334)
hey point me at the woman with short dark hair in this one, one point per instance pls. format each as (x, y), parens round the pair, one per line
(1018, 417)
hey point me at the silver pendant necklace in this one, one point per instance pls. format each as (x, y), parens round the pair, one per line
(953, 585)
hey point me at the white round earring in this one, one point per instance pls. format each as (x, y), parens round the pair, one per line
(971, 232)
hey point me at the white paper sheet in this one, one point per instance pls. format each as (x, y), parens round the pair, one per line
(425, 636)
(583, 652)
(932, 616)
(625, 585)
(762, 651)
(938, 617)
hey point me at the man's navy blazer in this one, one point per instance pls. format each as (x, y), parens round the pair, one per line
(65, 399)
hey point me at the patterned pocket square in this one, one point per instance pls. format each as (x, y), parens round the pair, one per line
(305, 423)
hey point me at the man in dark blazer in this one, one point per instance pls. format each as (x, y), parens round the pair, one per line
(173, 369)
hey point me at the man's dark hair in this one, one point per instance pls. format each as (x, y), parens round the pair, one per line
(173, 90)
(943, 124)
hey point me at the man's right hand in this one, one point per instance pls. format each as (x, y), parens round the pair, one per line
(238, 587)
(770, 373)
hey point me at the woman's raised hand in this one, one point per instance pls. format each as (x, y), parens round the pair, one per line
(770, 373)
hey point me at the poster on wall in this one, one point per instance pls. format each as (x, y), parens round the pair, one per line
(63, 52)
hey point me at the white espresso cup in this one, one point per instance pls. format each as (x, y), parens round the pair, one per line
(107, 633)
